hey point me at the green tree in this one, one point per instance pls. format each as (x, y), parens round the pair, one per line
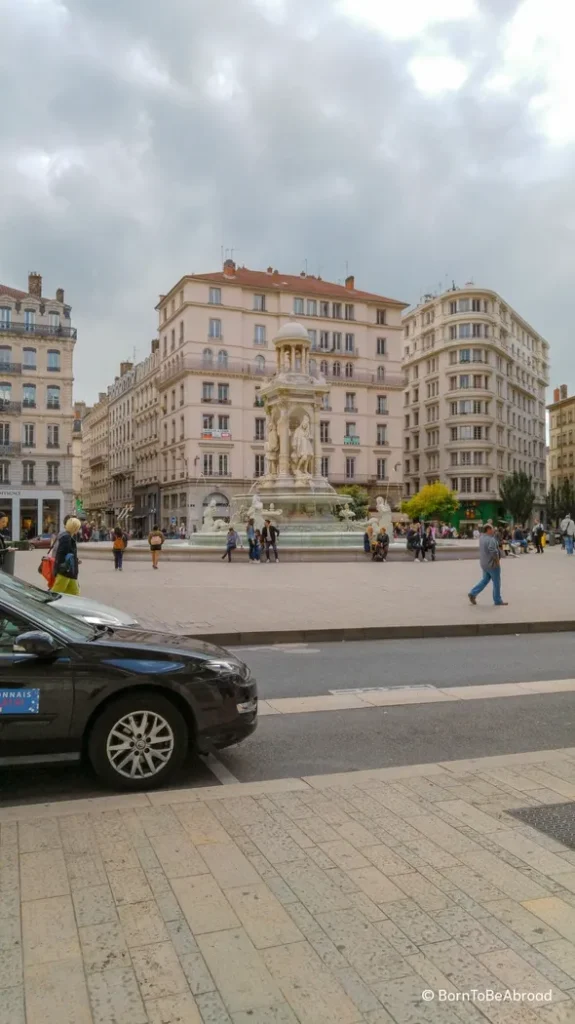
(359, 499)
(565, 498)
(553, 507)
(434, 501)
(518, 496)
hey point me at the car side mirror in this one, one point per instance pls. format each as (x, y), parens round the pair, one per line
(42, 645)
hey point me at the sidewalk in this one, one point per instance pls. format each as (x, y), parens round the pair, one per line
(295, 602)
(325, 900)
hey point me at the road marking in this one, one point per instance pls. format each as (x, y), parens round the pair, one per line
(350, 700)
(220, 771)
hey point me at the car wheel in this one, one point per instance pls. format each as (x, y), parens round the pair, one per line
(138, 742)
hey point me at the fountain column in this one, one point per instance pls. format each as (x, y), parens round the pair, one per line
(317, 441)
(283, 434)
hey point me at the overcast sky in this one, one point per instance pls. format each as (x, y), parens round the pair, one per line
(412, 141)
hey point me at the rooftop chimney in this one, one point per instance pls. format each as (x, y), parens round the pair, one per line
(35, 284)
(229, 268)
(60, 295)
(270, 270)
(556, 394)
(102, 396)
(155, 344)
(124, 367)
(563, 390)
(350, 283)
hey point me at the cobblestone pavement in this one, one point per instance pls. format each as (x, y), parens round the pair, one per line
(200, 597)
(324, 900)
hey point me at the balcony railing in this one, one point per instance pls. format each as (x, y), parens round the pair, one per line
(10, 449)
(49, 331)
(351, 439)
(9, 407)
(189, 364)
(95, 459)
(29, 403)
(52, 404)
(10, 368)
(52, 444)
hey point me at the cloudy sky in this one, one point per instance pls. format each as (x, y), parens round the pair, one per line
(412, 141)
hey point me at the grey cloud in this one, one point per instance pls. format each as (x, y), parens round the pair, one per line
(323, 150)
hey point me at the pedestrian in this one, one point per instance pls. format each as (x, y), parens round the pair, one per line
(428, 543)
(270, 534)
(251, 536)
(66, 564)
(381, 546)
(414, 542)
(155, 540)
(118, 548)
(490, 562)
(182, 532)
(567, 528)
(538, 534)
(258, 546)
(4, 520)
(231, 544)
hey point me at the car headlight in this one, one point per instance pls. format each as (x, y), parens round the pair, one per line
(224, 667)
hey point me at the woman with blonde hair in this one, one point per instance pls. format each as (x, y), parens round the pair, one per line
(66, 567)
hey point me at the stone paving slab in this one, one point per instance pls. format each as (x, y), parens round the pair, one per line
(336, 899)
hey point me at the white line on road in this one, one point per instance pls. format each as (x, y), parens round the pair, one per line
(220, 771)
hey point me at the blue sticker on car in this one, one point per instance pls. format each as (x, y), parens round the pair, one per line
(19, 702)
(145, 666)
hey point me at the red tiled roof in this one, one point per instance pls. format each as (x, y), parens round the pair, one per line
(294, 283)
(14, 293)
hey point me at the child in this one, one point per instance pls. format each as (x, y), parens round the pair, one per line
(258, 544)
(118, 546)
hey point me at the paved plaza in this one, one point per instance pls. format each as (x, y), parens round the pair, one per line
(205, 598)
(324, 900)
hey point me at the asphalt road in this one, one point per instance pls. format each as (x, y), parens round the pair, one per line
(310, 670)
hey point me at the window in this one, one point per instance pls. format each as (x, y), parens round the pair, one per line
(29, 319)
(165, 342)
(477, 458)
(350, 429)
(259, 334)
(465, 485)
(215, 329)
(223, 465)
(324, 340)
(382, 346)
(5, 355)
(381, 433)
(311, 307)
(207, 422)
(465, 459)
(29, 355)
(298, 307)
(380, 316)
(208, 464)
(29, 435)
(478, 484)
(182, 428)
(53, 359)
(4, 433)
(336, 369)
(336, 341)
(53, 435)
(349, 369)
(207, 392)
(324, 431)
(381, 373)
(173, 397)
(259, 465)
(350, 342)
(28, 472)
(29, 396)
(336, 310)
(478, 433)
(222, 358)
(5, 316)
(312, 335)
(260, 364)
(223, 392)
(350, 467)
(208, 357)
(382, 405)
(4, 472)
(349, 311)
(260, 429)
(464, 355)
(181, 332)
(350, 405)
(223, 422)
(173, 336)
(215, 297)
(324, 466)
(381, 469)
(324, 309)
(324, 367)
(182, 396)
(53, 473)
(260, 303)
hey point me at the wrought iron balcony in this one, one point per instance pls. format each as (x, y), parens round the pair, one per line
(10, 408)
(10, 449)
(46, 329)
(10, 368)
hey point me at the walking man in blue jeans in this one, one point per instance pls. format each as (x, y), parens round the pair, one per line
(489, 560)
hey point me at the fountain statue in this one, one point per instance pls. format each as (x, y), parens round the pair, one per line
(210, 524)
(302, 450)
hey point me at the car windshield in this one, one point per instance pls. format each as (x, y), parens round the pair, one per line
(16, 586)
(47, 617)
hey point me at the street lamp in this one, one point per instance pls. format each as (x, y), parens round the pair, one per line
(395, 469)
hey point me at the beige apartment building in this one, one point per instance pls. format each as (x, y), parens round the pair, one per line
(561, 457)
(36, 413)
(216, 350)
(474, 404)
(120, 445)
(95, 462)
(146, 442)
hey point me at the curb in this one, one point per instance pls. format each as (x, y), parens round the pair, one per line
(350, 635)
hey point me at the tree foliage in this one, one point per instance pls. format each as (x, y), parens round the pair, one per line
(359, 499)
(518, 496)
(434, 501)
(559, 500)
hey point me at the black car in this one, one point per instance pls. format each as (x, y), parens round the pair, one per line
(132, 702)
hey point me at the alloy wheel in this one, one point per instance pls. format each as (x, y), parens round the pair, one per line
(140, 744)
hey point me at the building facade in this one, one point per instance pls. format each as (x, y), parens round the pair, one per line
(146, 431)
(474, 404)
(561, 458)
(36, 413)
(95, 462)
(216, 350)
(121, 446)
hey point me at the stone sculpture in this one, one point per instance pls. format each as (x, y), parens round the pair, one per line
(210, 524)
(302, 450)
(272, 448)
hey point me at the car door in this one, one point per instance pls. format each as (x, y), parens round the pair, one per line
(36, 694)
